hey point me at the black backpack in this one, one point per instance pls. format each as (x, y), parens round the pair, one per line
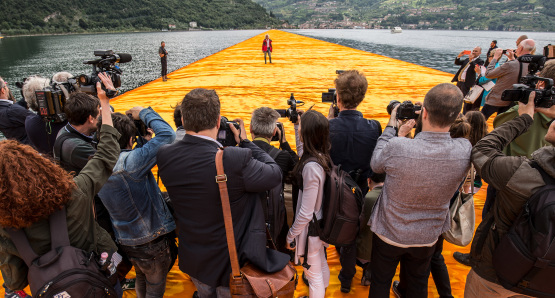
(341, 208)
(524, 259)
(275, 213)
(64, 271)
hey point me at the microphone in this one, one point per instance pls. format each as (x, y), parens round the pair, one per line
(120, 58)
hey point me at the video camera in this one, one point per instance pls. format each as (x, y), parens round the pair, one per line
(51, 100)
(407, 110)
(545, 98)
(107, 64)
(225, 135)
(331, 96)
(291, 113)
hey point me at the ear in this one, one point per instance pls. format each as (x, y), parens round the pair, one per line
(275, 131)
(182, 120)
(219, 122)
(91, 119)
(130, 144)
(424, 113)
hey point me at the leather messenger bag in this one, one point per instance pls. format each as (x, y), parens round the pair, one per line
(250, 281)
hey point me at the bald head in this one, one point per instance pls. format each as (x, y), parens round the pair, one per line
(527, 46)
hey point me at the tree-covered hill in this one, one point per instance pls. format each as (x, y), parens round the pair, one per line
(63, 16)
(420, 14)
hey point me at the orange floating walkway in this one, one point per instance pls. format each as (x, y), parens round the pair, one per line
(305, 67)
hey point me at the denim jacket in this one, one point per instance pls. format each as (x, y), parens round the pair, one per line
(139, 213)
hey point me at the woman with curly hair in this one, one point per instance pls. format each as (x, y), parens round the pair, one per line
(33, 187)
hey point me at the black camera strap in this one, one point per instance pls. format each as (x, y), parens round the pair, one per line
(519, 71)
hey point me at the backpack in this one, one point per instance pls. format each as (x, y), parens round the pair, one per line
(524, 259)
(65, 271)
(341, 208)
(275, 213)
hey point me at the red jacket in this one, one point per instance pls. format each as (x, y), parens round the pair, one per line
(264, 46)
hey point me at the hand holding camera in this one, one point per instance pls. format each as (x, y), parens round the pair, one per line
(239, 134)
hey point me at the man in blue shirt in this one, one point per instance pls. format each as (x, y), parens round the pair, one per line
(353, 139)
(140, 217)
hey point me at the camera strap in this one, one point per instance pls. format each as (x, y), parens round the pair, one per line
(519, 71)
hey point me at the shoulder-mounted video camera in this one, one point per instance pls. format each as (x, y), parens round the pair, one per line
(107, 64)
(225, 135)
(291, 113)
(51, 100)
(544, 98)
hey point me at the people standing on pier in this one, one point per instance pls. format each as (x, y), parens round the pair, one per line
(267, 48)
(466, 75)
(492, 47)
(164, 60)
(506, 75)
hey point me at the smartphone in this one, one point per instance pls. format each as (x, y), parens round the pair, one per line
(466, 52)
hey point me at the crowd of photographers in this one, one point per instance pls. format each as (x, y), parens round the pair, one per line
(97, 166)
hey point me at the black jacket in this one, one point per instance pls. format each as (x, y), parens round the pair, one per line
(353, 139)
(12, 121)
(188, 171)
(470, 79)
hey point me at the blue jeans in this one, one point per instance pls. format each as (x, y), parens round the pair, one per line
(151, 261)
(206, 291)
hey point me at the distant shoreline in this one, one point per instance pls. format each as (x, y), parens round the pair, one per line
(118, 32)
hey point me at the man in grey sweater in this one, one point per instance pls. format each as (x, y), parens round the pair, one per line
(422, 175)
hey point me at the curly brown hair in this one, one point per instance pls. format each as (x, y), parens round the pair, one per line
(31, 186)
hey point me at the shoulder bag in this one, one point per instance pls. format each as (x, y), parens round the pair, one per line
(250, 281)
(462, 216)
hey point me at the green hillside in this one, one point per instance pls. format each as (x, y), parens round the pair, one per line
(63, 16)
(419, 14)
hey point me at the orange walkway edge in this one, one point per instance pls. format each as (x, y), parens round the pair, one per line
(306, 67)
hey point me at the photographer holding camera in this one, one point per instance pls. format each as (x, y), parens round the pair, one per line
(41, 132)
(507, 74)
(264, 127)
(422, 174)
(353, 139)
(188, 168)
(133, 198)
(12, 116)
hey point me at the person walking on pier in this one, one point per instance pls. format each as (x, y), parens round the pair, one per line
(267, 48)
(164, 60)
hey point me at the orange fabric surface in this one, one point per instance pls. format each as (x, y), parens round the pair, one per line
(305, 67)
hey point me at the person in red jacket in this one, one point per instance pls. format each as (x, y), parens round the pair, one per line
(267, 48)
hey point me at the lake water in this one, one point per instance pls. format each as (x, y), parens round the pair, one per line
(45, 55)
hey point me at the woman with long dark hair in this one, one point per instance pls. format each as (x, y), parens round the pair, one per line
(310, 172)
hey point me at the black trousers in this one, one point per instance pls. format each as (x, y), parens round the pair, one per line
(488, 110)
(414, 260)
(164, 67)
(348, 260)
(438, 270)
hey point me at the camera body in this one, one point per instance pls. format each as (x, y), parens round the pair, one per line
(51, 100)
(545, 98)
(331, 96)
(407, 110)
(281, 131)
(140, 125)
(107, 64)
(225, 135)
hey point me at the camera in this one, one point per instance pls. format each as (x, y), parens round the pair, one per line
(291, 113)
(140, 125)
(545, 98)
(407, 110)
(281, 131)
(331, 96)
(107, 64)
(225, 135)
(51, 100)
